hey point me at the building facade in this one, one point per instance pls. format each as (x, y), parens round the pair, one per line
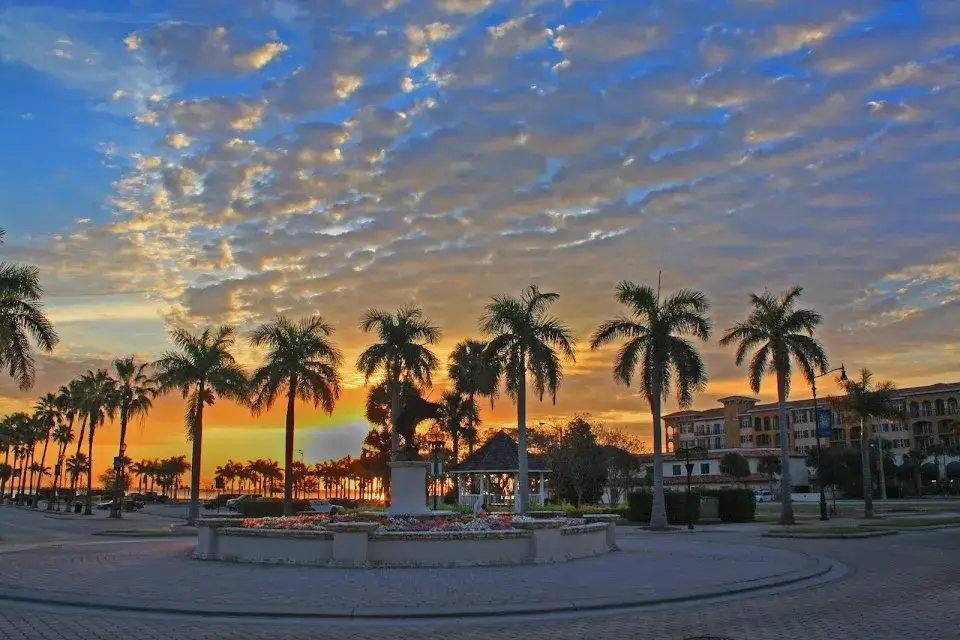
(932, 417)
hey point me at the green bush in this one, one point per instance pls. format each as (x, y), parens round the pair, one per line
(572, 511)
(268, 507)
(734, 505)
(640, 504)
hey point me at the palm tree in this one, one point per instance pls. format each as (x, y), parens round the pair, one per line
(458, 418)
(62, 436)
(525, 338)
(22, 318)
(781, 334)
(865, 401)
(654, 344)
(473, 374)
(47, 415)
(7, 443)
(201, 368)
(77, 465)
(76, 390)
(401, 355)
(99, 399)
(135, 391)
(302, 363)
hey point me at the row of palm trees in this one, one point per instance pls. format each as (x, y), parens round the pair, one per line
(526, 345)
(351, 478)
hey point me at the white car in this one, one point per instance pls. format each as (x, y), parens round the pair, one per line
(232, 503)
(324, 506)
(763, 496)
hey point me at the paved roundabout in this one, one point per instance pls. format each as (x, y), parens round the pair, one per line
(159, 576)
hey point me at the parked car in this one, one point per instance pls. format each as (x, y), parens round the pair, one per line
(324, 506)
(232, 503)
(220, 501)
(763, 496)
(153, 496)
(128, 505)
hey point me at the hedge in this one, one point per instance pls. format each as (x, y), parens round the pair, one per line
(268, 507)
(572, 511)
(640, 504)
(734, 505)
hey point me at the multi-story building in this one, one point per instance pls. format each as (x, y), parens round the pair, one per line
(932, 416)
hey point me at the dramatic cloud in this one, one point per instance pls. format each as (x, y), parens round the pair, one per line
(327, 156)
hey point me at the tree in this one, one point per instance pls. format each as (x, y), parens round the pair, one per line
(401, 355)
(22, 318)
(620, 451)
(735, 466)
(47, 415)
(99, 400)
(578, 464)
(865, 401)
(303, 363)
(116, 483)
(473, 374)
(525, 338)
(62, 437)
(458, 416)
(135, 391)
(780, 333)
(655, 345)
(202, 368)
(771, 467)
(68, 403)
(913, 460)
(376, 449)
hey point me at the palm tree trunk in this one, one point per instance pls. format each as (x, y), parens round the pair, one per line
(88, 503)
(56, 477)
(658, 508)
(73, 480)
(3, 482)
(523, 474)
(865, 468)
(43, 465)
(288, 449)
(193, 513)
(116, 511)
(786, 501)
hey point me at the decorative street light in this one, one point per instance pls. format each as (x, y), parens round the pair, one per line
(436, 439)
(689, 454)
(823, 425)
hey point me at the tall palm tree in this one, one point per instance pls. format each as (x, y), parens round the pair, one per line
(473, 374)
(525, 338)
(7, 444)
(302, 363)
(77, 390)
(655, 344)
(401, 355)
(22, 318)
(47, 415)
(866, 401)
(99, 399)
(77, 465)
(62, 437)
(458, 417)
(135, 391)
(781, 334)
(24, 443)
(202, 368)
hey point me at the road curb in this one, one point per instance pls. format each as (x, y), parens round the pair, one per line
(826, 535)
(815, 573)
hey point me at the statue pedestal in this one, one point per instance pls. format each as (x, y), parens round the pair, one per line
(408, 489)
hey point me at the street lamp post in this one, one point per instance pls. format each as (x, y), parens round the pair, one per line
(436, 439)
(689, 454)
(816, 420)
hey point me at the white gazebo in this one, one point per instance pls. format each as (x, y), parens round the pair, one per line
(489, 474)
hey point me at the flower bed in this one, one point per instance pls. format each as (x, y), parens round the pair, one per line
(478, 523)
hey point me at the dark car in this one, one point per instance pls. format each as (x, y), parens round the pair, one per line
(220, 501)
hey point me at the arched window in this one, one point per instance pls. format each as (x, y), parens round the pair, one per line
(766, 422)
(951, 406)
(914, 410)
(926, 409)
(939, 408)
(776, 422)
(756, 423)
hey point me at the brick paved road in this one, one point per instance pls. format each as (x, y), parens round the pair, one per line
(903, 587)
(163, 573)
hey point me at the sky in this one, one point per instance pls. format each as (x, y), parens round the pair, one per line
(193, 162)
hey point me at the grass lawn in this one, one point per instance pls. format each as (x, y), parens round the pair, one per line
(915, 523)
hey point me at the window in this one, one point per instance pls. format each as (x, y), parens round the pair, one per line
(898, 427)
(766, 422)
(705, 468)
(678, 470)
(756, 423)
(951, 406)
(901, 444)
(718, 443)
(939, 408)
(926, 409)
(776, 422)
(914, 410)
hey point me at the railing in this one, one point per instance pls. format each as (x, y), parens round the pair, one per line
(470, 499)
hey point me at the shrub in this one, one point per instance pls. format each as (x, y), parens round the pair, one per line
(268, 507)
(640, 504)
(572, 511)
(734, 505)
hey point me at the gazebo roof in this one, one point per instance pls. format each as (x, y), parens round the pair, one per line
(498, 455)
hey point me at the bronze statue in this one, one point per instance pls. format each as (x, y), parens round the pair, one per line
(414, 411)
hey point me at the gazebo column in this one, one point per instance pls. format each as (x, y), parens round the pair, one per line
(542, 488)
